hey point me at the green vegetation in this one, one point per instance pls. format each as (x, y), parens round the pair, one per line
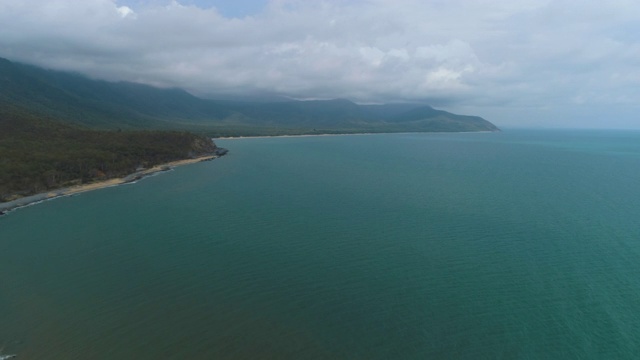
(37, 155)
(108, 105)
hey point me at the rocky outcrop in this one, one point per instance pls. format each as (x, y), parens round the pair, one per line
(202, 146)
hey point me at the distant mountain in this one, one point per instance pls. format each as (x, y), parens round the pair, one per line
(77, 99)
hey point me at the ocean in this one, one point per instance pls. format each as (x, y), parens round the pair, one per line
(523, 244)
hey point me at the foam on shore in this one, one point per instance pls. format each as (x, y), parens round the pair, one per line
(77, 189)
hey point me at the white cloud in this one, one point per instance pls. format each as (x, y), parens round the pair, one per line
(481, 54)
(125, 11)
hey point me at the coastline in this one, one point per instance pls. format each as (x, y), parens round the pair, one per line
(347, 134)
(8, 206)
(288, 136)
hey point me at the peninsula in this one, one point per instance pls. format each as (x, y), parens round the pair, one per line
(41, 158)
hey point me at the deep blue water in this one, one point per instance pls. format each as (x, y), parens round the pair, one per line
(515, 245)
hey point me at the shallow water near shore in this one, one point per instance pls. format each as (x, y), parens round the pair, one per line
(516, 245)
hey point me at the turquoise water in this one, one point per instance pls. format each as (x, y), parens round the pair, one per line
(512, 245)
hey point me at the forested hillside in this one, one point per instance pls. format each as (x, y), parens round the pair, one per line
(38, 154)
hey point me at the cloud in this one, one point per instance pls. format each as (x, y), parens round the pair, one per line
(479, 54)
(125, 11)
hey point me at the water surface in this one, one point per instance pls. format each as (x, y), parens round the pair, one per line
(514, 245)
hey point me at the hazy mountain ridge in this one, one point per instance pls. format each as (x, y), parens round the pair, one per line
(101, 104)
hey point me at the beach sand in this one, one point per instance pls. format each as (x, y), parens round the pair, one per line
(132, 177)
(77, 189)
(349, 134)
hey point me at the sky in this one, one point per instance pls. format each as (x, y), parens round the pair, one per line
(528, 63)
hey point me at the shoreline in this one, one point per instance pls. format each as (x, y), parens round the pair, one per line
(8, 206)
(347, 134)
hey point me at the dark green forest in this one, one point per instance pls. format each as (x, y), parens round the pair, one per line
(38, 154)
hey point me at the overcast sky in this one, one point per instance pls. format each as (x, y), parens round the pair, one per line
(516, 63)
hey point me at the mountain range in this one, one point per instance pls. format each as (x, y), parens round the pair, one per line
(77, 99)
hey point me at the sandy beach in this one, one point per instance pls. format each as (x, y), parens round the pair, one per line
(77, 189)
(286, 136)
(132, 177)
(347, 134)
